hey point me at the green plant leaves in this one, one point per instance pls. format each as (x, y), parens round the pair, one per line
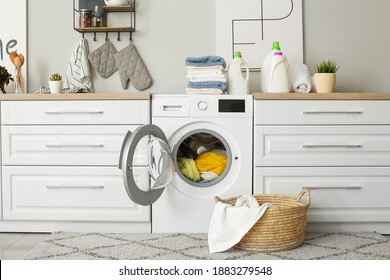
(329, 66)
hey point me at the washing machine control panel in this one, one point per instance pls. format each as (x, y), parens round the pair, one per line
(202, 105)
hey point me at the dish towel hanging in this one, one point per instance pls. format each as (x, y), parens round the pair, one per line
(230, 223)
(79, 74)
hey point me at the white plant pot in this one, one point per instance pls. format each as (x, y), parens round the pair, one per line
(325, 82)
(55, 86)
(116, 2)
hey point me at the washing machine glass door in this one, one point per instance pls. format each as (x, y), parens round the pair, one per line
(145, 153)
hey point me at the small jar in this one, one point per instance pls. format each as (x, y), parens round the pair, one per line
(85, 18)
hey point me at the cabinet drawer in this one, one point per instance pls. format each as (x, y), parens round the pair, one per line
(63, 145)
(75, 112)
(322, 145)
(69, 194)
(322, 112)
(337, 194)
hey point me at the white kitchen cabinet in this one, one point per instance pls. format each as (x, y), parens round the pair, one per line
(338, 194)
(69, 194)
(340, 150)
(322, 145)
(63, 145)
(60, 165)
(75, 112)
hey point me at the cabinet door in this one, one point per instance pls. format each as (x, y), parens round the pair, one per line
(63, 145)
(323, 112)
(337, 194)
(70, 194)
(75, 112)
(322, 145)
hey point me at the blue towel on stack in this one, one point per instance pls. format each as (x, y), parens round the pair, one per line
(205, 61)
(210, 84)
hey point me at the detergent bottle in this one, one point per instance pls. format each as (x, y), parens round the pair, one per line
(275, 73)
(237, 83)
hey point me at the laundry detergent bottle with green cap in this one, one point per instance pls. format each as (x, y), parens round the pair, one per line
(237, 83)
(275, 72)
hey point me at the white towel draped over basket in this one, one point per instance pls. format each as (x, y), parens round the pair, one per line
(230, 223)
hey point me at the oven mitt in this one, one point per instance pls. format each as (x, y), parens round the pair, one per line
(132, 68)
(102, 59)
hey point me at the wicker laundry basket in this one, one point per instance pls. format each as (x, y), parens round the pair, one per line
(280, 228)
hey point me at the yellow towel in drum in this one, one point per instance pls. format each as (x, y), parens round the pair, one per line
(188, 168)
(210, 161)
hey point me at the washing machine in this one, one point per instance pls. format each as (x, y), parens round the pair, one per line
(160, 161)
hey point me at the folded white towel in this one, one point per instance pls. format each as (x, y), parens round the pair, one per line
(229, 224)
(300, 78)
(207, 78)
(203, 91)
(206, 68)
(79, 74)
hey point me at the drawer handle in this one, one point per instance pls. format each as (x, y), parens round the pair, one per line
(74, 112)
(74, 187)
(75, 146)
(332, 112)
(332, 188)
(307, 146)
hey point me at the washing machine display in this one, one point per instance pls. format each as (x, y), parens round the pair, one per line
(198, 147)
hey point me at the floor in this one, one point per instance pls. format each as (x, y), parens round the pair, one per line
(13, 246)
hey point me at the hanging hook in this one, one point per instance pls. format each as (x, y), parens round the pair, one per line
(119, 36)
(131, 36)
(94, 36)
(83, 35)
(106, 36)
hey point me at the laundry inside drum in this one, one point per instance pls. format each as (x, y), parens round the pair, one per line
(202, 158)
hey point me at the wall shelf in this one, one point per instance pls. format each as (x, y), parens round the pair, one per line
(119, 9)
(90, 4)
(104, 29)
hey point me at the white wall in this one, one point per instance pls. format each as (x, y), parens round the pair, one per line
(166, 33)
(353, 32)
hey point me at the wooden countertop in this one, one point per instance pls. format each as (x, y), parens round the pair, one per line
(321, 96)
(76, 96)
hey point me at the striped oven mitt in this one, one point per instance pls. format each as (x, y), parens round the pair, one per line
(132, 68)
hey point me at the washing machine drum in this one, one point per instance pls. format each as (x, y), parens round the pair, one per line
(147, 164)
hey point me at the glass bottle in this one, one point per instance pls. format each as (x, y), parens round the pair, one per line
(97, 20)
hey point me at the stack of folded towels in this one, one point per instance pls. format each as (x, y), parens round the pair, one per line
(206, 75)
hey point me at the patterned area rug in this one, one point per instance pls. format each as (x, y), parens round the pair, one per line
(103, 246)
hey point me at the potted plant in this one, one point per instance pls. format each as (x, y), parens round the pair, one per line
(55, 83)
(325, 76)
(5, 78)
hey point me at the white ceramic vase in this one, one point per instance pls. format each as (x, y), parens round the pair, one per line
(325, 82)
(55, 86)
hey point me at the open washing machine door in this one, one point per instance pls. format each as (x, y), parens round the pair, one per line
(146, 151)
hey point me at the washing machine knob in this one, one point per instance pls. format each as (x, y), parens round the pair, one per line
(202, 105)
